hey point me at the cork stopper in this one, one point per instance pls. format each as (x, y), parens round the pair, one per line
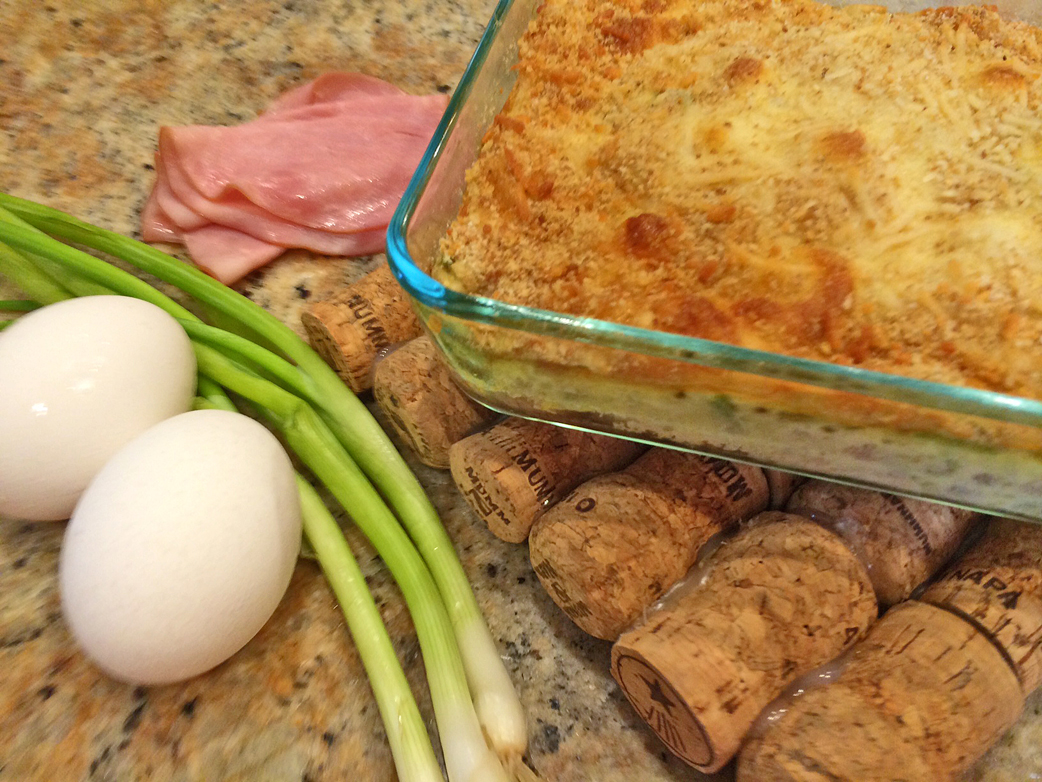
(511, 473)
(922, 697)
(350, 329)
(781, 597)
(782, 485)
(902, 541)
(823, 724)
(997, 585)
(427, 409)
(619, 541)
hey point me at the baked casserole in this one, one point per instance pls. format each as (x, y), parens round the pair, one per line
(847, 185)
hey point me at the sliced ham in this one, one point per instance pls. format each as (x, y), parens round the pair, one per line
(327, 88)
(177, 212)
(156, 225)
(323, 169)
(232, 209)
(238, 253)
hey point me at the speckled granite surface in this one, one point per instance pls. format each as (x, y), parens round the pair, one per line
(84, 87)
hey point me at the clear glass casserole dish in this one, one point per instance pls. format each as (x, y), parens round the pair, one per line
(953, 444)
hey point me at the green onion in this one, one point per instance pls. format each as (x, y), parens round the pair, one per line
(35, 283)
(18, 305)
(498, 707)
(410, 745)
(466, 754)
(210, 396)
(37, 276)
(13, 306)
(280, 370)
(330, 430)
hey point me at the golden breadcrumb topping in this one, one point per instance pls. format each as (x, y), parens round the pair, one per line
(843, 184)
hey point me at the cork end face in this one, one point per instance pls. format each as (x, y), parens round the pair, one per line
(662, 708)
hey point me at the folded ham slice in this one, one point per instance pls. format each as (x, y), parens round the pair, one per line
(328, 88)
(323, 169)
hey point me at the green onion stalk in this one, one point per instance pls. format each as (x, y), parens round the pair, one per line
(499, 709)
(410, 745)
(406, 734)
(18, 305)
(467, 757)
(14, 306)
(323, 423)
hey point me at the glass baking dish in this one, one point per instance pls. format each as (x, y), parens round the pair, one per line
(958, 445)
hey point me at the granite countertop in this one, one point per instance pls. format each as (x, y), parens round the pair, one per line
(86, 87)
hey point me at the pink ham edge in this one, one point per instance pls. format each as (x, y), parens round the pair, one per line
(327, 88)
(229, 235)
(336, 167)
(156, 225)
(227, 254)
(236, 212)
(208, 247)
(176, 210)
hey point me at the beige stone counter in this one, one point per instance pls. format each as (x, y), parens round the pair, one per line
(84, 87)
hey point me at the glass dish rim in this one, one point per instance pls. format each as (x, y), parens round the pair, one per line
(659, 344)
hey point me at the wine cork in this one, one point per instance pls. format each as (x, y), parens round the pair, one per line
(427, 409)
(781, 597)
(781, 485)
(997, 585)
(922, 697)
(511, 473)
(350, 329)
(619, 541)
(901, 541)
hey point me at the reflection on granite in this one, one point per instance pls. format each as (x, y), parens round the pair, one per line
(86, 87)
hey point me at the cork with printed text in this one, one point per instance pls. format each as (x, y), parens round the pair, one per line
(997, 585)
(350, 330)
(921, 698)
(619, 541)
(416, 392)
(902, 541)
(778, 599)
(513, 472)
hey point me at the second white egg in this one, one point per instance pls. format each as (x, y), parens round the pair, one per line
(181, 548)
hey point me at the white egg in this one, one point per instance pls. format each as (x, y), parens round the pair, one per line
(181, 547)
(79, 380)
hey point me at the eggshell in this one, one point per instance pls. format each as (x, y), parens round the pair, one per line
(181, 547)
(79, 380)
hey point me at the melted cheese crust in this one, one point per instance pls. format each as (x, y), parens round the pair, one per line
(842, 184)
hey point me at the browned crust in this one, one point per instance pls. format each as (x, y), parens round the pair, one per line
(599, 191)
